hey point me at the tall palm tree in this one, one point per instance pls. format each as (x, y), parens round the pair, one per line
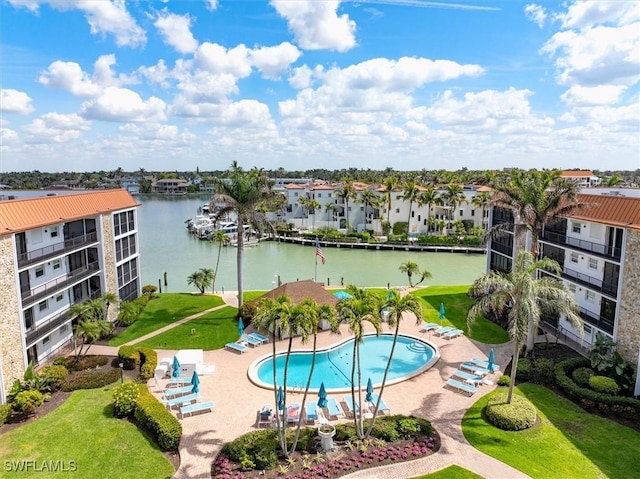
(361, 308)
(535, 198)
(396, 305)
(245, 193)
(390, 183)
(525, 298)
(347, 191)
(410, 269)
(312, 206)
(369, 199)
(453, 195)
(222, 239)
(410, 193)
(429, 197)
(482, 200)
(90, 323)
(331, 208)
(201, 279)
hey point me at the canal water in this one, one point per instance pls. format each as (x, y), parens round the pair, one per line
(167, 247)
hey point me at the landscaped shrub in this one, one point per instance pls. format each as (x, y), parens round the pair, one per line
(587, 398)
(542, 372)
(255, 450)
(148, 362)
(27, 402)
(519, 415)
(55, 375)
(524, 373)
(604, 385)
(88, 362)
(153, 417)
(5, 413)
(400, 228)
(581, 376)
(504, 380)
(129, 357)
(61, 361)
(124, 399)
(149, 290)
(91, 380)
(345, 432)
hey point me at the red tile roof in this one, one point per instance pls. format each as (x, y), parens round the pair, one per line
(577, 173)
(622, 211)
(28, 213)
(300, 290)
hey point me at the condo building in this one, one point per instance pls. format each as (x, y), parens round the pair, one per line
(598, 249)
(57, 251)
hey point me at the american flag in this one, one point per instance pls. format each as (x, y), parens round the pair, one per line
(319, 251)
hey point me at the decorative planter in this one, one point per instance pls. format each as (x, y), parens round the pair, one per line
(326, 433)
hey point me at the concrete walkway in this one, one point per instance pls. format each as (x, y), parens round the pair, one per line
(237, 401)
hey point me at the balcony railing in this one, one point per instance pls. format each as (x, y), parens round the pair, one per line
(35, 256)
(597, 320)
(605, 287)
(50, 288)
(506, 249)
(582, 245)
(41, 330)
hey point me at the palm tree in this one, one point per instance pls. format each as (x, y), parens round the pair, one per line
(89, 323)
(361, 308)
(331, 208)
(201, 279)
(482, 200)
(312, 206)
(525, 298)
(346, 192)
(535, 198)
(390, 183)
(411, 193)
(222, 239)
(429, 197)
(396, 305)
(454, 196)
(129, 312)
(245, 193)
(368, 198)
(411, 269)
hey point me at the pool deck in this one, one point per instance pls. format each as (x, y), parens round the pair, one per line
(237, 402)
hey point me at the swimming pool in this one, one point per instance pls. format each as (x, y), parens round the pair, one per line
(412, 356)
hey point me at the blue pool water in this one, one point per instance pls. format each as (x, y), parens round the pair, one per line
(333, 366)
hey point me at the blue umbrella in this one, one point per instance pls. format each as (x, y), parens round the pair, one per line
(369, 391)
(175, 367)
(492, 359)
(322, 396)
(195, 381)
(441, 310)
(240, 326)
(280, 399)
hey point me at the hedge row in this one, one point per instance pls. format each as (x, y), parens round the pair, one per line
(623, 406)
(136, 357)
(154, 418)
(519, 415)
(5, 413)
(91, 380)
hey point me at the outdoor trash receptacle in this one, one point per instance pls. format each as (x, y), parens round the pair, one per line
(326, 433)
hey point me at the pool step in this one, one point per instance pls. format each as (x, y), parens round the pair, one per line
(417, 347)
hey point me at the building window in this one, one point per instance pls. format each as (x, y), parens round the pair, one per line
(572, 288)
(473, 212)
(39, 271)
(42, 305)
(64, 327)
(576, 227)
(59, 298)
(593, 263)
(589, 296)
(295, 194)
(329, 195)
(56, 264)
(319, 195)
(587, 328)
(574, 257)
(46, 339)
(398, 197)
(461, 212)
(54, 231)
(397, 210)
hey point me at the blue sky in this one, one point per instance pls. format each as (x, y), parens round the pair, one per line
(298, 84)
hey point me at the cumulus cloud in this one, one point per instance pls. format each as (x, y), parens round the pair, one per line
(215, 58)
(586, 14)
(157, 132)
(176, 31)
(211, 5)
(317, 25)
(597, 95)
(7, 136)
(301, 77)
(14, 101)
(122, 104)
(56, 128)
(536, 14)
(272, 61)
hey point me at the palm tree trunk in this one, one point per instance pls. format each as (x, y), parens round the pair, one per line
(284, 401)
(531, 326)
(239, 258)
(213, 283)
(306, 391)
(514, 368)
(279, 427)
(353, 381)
(409, 220)
(360, 428)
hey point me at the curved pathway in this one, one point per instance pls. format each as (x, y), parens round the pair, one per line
(237, 401)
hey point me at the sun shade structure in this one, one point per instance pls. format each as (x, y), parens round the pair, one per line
(298, 291)
(322, 396)
(175, 367)
(342, 295)
(369, 391)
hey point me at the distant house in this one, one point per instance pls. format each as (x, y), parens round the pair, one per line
(67, 185)
(584, 178)
(170, 186)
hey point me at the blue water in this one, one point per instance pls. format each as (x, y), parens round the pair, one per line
(333, 366)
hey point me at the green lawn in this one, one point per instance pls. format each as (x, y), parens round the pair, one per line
(212, 331)
(83, 430)
(167, 308)
(451, 472)
(568, 442)
(251, 295)
(456, 305)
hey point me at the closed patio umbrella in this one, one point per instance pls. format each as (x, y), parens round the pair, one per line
(240, 326)
(441, 312)
(280, 399)
(368, 397)
(322, 396)
(195, 382)
(175, 367)
(492, 360)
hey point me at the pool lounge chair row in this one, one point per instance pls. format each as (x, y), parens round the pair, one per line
(252, 339)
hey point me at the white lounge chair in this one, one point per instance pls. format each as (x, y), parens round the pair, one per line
(245, 338)
(236, 347)
(352, 405)
(199, 406)
(311, 411)
(444, 329)
(179, 381)
(474, 368)
(265, 416)
(462, 386)
(259, 336)
(453, 333)
(485, 364)
(468, 377)
(293, 413)
(381, 407)
(182, 400)
(429, 327)
(169, 393)
(334, 408)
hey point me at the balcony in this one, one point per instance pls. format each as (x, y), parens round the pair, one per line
(45, 328)
(582, 245)
(500, 247)
(39, 255)
(52, 287)
(599, 321)
(605, 287)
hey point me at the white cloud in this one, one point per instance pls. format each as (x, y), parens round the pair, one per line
(14, 101)
(56, 128)
(176, 31)
(158, 133)
(7, 136)
(597, 95)
(585, 14)
(158, 73)
(272, 61)
(211, 5)
(536, 14)
(121, 104)
(215, 58)
(301, 77)
(317, 25)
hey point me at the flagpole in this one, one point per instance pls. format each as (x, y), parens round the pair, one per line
(315, 273)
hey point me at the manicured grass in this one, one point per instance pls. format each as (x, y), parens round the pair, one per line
(451, 472)
(456, 306)
(251, 295)
(212, 331)
(167, 308)
(568, 442)
(84, 430)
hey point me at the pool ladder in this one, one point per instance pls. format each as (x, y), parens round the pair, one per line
(417, 347)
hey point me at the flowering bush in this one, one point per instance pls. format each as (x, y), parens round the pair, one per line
(124, 399)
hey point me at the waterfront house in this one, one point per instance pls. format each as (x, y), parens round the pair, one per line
(57, 251)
